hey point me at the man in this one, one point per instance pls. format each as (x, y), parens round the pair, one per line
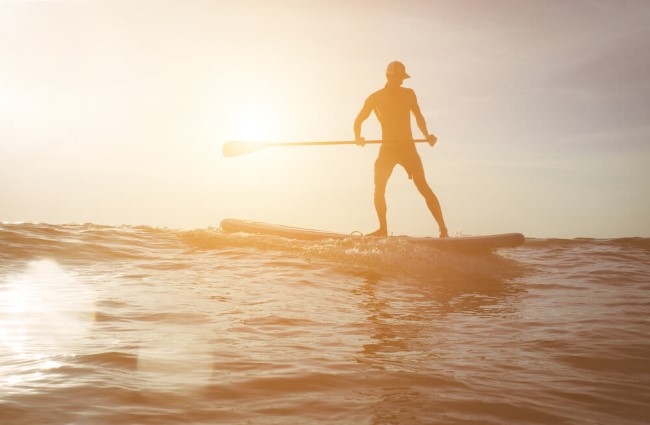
(393, 106)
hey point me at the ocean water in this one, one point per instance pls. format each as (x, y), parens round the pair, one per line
(140, 325)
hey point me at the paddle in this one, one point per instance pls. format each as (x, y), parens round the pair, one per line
(237, 148)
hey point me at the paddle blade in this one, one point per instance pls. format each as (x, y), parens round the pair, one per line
(231, 149)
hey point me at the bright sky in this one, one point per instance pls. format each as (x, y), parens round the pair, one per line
(115, 112)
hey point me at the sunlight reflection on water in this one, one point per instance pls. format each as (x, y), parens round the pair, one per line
(45, 311)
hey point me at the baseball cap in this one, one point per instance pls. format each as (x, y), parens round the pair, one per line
(397, 69)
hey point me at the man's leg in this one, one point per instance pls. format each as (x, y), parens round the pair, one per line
(431, 199)
(383, 170)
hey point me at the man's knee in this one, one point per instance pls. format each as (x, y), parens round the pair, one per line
(380, 185)
(421, 184)
(428, 194)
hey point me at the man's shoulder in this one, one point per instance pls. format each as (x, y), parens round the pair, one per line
(375, 97)
(377, 93)
(386, 91)
(409, 94)
(385, 94)
(407, 90)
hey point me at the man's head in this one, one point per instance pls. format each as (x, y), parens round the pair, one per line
(396, 71)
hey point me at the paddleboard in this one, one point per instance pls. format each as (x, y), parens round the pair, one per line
(464, 243)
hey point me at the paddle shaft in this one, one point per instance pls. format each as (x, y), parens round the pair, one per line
(237, 148)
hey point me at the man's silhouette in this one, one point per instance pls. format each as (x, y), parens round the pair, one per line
(393, 106)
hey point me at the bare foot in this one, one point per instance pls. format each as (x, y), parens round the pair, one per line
(443, 233)
(378, 232)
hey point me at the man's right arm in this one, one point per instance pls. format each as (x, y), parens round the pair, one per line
(361, 117)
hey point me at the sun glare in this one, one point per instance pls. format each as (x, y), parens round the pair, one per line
(44, 313)
(252, 121)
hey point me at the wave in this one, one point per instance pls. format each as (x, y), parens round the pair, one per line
(171, 249)
(626, 242)
(80, 241)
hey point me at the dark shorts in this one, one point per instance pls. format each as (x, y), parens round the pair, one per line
(387, 160)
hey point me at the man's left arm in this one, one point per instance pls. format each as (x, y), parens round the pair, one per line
(420, 121)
